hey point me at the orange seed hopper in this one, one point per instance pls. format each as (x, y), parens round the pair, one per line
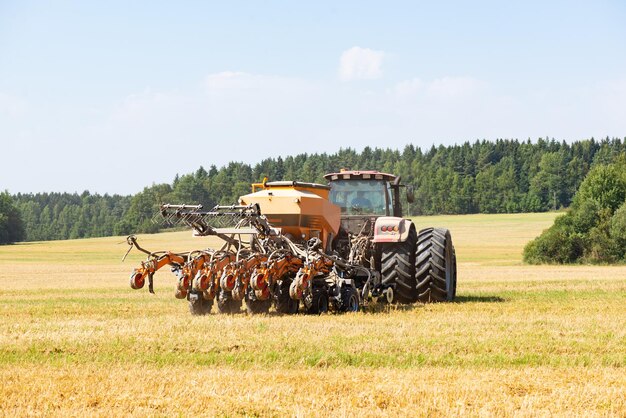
(301, 210)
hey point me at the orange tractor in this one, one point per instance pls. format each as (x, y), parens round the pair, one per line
(340, 247)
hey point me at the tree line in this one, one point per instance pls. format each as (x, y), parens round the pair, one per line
(481, 177)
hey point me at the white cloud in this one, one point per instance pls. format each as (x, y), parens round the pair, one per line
(408, 87)
(148, 106)
(238, 80)
(454, 87)
(444, 89)
(360, 64)
(235, 100)
(231, 80)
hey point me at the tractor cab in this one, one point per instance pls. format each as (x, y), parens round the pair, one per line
(362, 192)
(364, 196)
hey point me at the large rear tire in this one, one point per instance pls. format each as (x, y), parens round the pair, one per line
(398, 267)
(454, 273)
(435, 265)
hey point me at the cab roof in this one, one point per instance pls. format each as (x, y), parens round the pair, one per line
(359, 175)
(295, 184)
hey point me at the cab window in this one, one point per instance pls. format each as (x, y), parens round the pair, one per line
(359, 197)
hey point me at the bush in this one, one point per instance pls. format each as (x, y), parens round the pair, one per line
(617, 231)
(606, 185)
(594, 229)
(585, 216)
(555, 245)
(600, 247)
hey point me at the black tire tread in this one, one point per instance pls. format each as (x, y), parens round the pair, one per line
(348, 295)
(433, 247)
(398, 267)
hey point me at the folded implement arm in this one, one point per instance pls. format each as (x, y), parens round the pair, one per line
(222, 221)
(155, 261)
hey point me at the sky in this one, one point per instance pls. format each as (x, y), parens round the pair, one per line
(114, 96)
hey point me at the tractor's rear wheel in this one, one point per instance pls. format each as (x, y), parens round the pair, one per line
(398, 267)
(226, 304)
(198, 305)
(284, 303)
(435, 265)
(454, 273)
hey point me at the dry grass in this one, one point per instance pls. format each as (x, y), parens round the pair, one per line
(522, 340)
(425, 391)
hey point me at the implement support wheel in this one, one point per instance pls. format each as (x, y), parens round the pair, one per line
(319, 302)
(282, 300)
(198, 305)
(226, 304)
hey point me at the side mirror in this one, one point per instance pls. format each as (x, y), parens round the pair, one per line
(410, 194)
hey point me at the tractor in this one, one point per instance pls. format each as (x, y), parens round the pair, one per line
(413, 265)
(340, 247)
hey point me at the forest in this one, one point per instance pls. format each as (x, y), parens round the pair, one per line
(504, 176)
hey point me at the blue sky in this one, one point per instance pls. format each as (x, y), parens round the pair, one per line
(113, 96)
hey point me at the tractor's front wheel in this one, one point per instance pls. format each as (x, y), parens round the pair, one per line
(398, 267)
(435, 265)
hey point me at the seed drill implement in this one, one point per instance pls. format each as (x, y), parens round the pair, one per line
(306, 247)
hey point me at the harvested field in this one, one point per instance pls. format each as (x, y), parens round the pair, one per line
(520, 340)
